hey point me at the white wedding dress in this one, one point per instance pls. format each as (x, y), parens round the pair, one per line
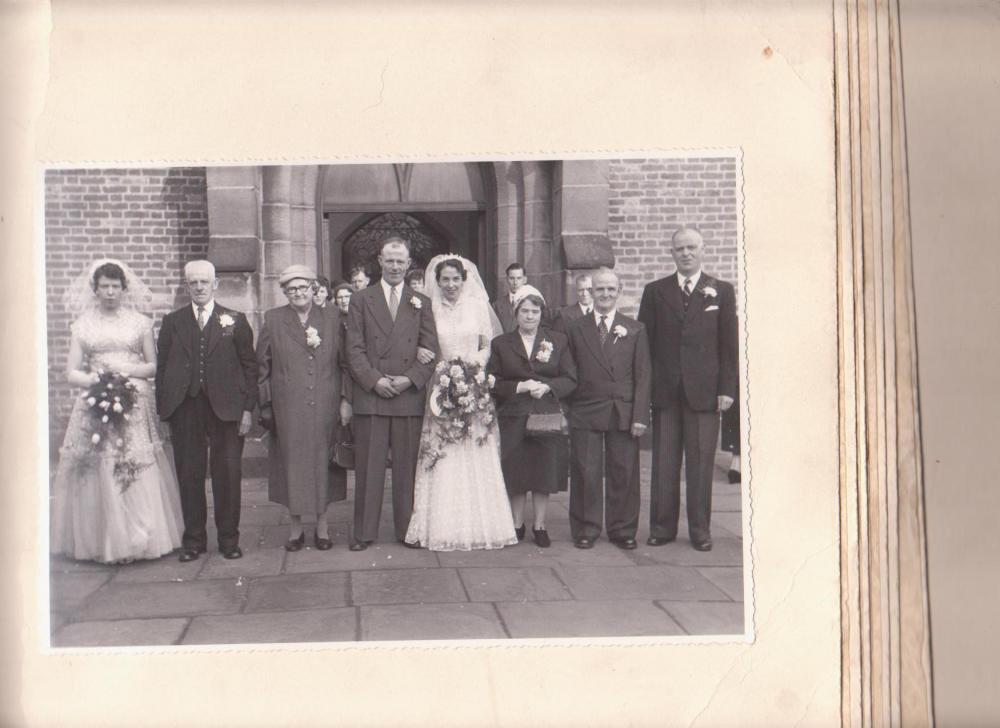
(461, 503)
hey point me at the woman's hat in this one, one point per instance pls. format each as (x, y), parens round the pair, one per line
(524, 291)
(296, 271)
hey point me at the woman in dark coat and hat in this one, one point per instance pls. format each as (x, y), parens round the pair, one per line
(302, 391)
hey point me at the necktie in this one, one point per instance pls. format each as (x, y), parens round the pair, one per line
(201, 318)
(602, 329)
(393, 302)
(687, 292)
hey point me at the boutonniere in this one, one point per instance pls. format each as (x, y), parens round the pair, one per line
(416, 303)
(312, 338)
(709, 292)
(544, 351)
(226, 322)
(620, 332)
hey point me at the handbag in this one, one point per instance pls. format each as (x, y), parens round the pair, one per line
(547, 425)
(342, 453)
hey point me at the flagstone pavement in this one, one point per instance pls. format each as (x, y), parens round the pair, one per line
(390, 592)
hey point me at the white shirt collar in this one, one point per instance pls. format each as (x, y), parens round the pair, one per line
(386, 288)
(694, 280)
(585, 309)
(528, 341)
(209, 307)
(610, 317)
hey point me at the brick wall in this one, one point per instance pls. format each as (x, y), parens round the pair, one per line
(153, 220)
(650, 198)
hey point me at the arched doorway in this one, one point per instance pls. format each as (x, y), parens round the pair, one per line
(438, 207)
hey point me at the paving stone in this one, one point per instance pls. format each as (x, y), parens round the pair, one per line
(170, 599)
(166, 568)
(725, 552)
(731, 522)
(673, 583)
(604, 553)
(407, 586)
(531, 584)
(376, 556)
(523, 554)
(728, 579)
(620, 618)
(255, 562)
(68, 591)
(726, 503)
(120, 633)
(707, 618)
(312, 625)
(431, 621)
(276, 536)
(66, 565)
(265, 515)
(298, 591)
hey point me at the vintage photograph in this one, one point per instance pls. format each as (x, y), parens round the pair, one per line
(442, 400)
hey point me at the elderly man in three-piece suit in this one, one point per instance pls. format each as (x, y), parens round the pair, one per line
(206, 388)
(386, 323)
(609, 412)
(691, 321)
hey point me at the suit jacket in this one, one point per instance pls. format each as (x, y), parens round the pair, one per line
(693, 351)
(510, 364)
(564, 317)
(614, 379)
(378, 346)
(230, 363)
(505, 312)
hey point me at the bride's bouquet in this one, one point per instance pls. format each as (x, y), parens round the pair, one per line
(461, 406)
(109, 401)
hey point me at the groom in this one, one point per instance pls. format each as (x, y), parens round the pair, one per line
(386, 323)
(206, 388)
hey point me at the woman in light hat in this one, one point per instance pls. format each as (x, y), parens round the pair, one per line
(534, 372)
(302, 390)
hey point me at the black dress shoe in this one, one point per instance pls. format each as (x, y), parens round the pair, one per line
(734, 476)
(659, 540)
(705, 545)
(584, 543)
(358, 546)
(409, 545)
(295, 544)
(542, 539)
(625, 543)
(322, 544)
(519, 532)
(233, 552)
(190, 554)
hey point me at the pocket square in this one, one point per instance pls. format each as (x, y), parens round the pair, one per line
(712, 308)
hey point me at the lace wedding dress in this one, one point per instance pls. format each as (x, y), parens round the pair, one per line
(93, 517)
(461, 503)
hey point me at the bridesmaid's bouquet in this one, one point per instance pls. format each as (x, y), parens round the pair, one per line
(460, 398)
(109, 401)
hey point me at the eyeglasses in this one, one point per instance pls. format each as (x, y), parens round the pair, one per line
(292, 290)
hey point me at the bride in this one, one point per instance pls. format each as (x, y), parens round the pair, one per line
(115, 492)
(460, 501)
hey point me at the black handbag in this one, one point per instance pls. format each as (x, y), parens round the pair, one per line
(342, 453)
(547, 425)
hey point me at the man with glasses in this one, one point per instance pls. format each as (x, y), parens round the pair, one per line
(206, 388)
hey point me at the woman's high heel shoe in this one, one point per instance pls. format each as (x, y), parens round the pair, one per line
(323, 544)
(295, 544)
(542, 539)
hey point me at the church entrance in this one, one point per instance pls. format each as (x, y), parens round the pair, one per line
(439, 208)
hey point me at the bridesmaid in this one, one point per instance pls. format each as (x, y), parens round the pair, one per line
(534, 372)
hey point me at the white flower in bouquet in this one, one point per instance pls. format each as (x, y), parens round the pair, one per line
(456, 371)
(95, 438)
(104, 404)
(119, 442)
(480, 376)
(91, 401)
(461, 388)
(444, 381)
(440, 366)
(117, 407)
(104, 419)
(490, 381)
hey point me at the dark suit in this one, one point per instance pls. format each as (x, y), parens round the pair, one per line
(612, 393)
(565, 316)
(378, 346)
(205, 380)
(694, 354)
(505, 312)
(531, 463)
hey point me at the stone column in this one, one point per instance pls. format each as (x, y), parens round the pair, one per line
(509, 219)
(580, 208)
(540, 257)
(234, 234)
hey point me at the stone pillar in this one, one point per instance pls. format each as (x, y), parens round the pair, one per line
(540, 257)
(580, 208)
(509, 219)
(234, 234)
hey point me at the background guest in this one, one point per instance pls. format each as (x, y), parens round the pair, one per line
(504, 303)
(322, 293)
(359, 278)
(415, 280)
(584, 305)
(534, 372)
(299, 358)
(342, 297)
